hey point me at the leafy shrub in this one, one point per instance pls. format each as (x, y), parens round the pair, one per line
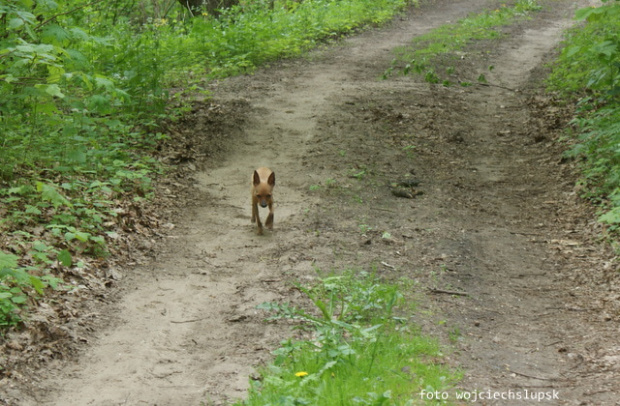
(589, 69)
(15, 282)
(590, 58)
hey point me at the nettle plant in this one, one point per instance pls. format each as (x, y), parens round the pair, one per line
(18, 283)
(605, 74)
(64, 103)
(60, 229)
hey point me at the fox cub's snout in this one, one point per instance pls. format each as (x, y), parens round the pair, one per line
(263, 181)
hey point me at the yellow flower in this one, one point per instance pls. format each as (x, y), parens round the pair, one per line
(301, 374)
(204, 13)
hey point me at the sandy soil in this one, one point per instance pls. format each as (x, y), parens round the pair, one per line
(498, 221)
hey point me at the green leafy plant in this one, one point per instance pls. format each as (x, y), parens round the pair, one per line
(358, 350)
(364, 228)
(15, 282)
(590, 59)
(588, 69)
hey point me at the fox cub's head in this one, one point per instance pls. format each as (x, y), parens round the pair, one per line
(263, 188)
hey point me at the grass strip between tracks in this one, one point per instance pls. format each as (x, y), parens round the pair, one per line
(356, 345)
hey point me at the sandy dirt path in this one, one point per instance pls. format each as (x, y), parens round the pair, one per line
(186, 330)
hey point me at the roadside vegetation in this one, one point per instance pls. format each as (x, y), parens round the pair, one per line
(588, 72)
(357, 346)
(84, 87)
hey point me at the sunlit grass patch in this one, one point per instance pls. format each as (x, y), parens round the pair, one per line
(419, 56)
(359, 348)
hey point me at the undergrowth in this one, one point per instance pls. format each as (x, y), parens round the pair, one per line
(84, 87)
(421, 55)
(588, 70)
(359, 349)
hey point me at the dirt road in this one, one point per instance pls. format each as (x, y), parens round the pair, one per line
(495, 220)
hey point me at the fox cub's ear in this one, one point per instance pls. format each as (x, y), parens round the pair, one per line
(272, 179)
(256, 178)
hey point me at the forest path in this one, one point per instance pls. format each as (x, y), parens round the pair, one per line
(188, 331)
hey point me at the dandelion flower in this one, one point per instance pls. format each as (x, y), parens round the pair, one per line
(301, 374)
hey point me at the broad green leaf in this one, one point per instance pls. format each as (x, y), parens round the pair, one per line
(19, 299)
(17, 190)
(46, 6)
(26, 3)
(49, 109)
(8, 260)
(25, 15)
(81, 236)
(79, 34)
(77, 155)
(102, 81)
(15, 23)
(9, 78)
(584, 13)
(24, 49)
(64, 257)
(51, 280)
(37, 284)
(55, 73)
(573, 50)
(55, 34)
(50, 194)
(18, 273)
(607, 48)
(40, 49)
(611, 217)
(98, 239)
(42, 257)
(40, 246)
(99, 103)
(54, 90)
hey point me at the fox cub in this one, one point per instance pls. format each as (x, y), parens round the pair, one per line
(263, 181)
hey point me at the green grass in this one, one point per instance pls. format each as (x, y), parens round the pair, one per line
(359, 349)
(418, 57)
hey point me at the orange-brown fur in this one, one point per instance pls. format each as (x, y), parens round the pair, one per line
(263, 181)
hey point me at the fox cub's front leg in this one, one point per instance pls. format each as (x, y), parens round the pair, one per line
(256, 218)
(269, 221)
